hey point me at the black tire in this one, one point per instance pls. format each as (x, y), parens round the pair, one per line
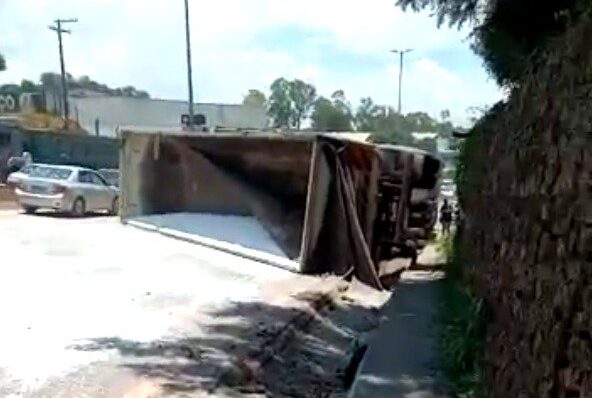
(115, 206)
(78, 207)
(29, 209)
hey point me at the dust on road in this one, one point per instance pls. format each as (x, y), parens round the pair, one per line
(67, 283)
(97, 309)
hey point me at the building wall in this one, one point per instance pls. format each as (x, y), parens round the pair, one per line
(81, 150)
(57, 148)
(113, 112)
(10, 145)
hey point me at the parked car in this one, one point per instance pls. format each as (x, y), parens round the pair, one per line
(111, 176)
(67, 189)
(16, 177)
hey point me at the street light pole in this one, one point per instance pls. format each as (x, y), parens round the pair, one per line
(58, 28)
(401, 56)
(189, 71)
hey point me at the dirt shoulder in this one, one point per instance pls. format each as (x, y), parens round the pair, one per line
(320, 357)
(304, 347)
(299, 343)
(7, 200)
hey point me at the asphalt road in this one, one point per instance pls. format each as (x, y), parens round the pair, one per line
(67, 283)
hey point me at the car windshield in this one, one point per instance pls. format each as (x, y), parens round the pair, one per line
(54, 173)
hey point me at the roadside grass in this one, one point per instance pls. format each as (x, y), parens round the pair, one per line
(462, 326)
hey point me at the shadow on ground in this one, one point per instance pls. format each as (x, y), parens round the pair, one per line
(247, 349)
(55, 214)
(402, 359)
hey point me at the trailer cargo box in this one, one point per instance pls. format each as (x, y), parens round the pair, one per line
(316, 197)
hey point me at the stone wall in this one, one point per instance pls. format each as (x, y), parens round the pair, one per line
(526, 187)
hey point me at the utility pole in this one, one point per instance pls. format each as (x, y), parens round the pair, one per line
(58, 28)
(189, 71)
(401, 56)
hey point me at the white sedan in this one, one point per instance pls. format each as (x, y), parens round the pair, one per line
(67, 189)
(16, 177)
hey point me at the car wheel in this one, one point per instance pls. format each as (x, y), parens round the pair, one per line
(78, 207)
(29, 209)
(115, 206)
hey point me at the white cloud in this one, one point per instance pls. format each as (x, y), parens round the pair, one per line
(141, 42)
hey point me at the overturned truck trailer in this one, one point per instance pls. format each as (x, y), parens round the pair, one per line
(326, 205)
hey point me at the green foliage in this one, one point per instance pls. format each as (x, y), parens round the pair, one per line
(2, 63)
(290, 102)
(471, 166)
(500, 35)
(464, 317)
(332, 114)
(52, 82)
(506, 43)
(456, 12)
(303, 96)
(390, 127)
(11, 88)
(462, 326)
(384, 119)
(367, 114)
(255, 98)
(396, 137)
(280, 104)
(85, 80)
(28, 86)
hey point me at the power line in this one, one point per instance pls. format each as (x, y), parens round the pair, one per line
(58, 28)
(401, 56)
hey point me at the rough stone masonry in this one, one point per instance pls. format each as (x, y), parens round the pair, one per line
(526, 188)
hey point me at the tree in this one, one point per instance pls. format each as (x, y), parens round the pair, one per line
(84, 81)
(129, 91)
(332, 115)
(255, 98)
(280, 104)
(390, 127)
(2, 63)
(366, 115)
(28, 86)
(341, 103)
(50, 80)
(303, 96)
(142, 94)
(499, 33)
(290, 102)
(419, 122)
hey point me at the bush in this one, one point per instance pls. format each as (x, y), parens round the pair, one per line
(462, 324)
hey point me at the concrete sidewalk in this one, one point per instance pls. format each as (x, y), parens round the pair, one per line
(402, 354)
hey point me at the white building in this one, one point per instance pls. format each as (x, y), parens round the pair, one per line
(111, 112)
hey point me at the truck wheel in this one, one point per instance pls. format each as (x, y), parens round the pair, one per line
(29, 209)
(78, 207)
(115, 206)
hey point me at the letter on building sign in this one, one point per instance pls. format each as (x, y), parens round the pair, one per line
(8, 103)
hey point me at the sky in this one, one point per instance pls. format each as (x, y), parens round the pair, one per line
(246, 44)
